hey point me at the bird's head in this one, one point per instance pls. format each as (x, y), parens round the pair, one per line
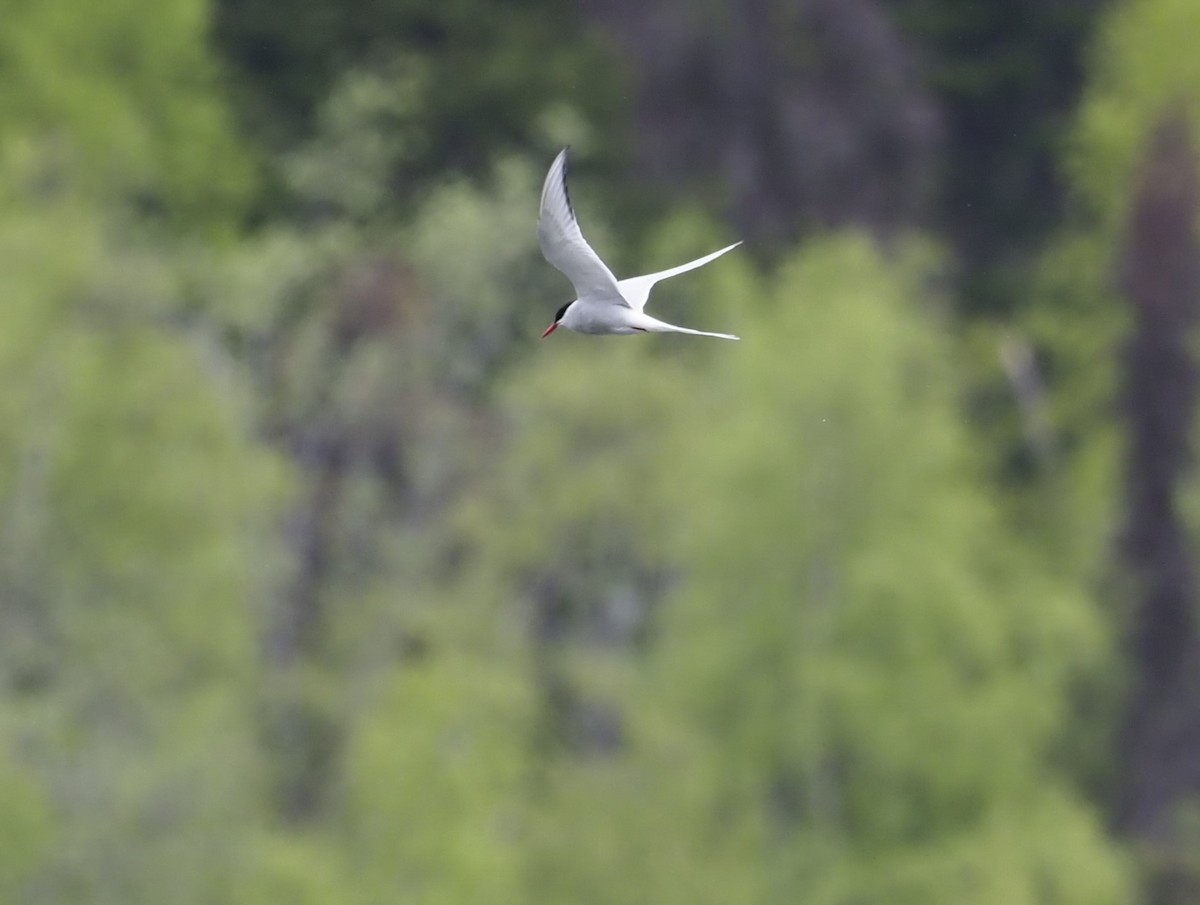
(557, 319)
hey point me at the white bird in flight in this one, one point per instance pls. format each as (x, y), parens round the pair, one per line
(604, 304)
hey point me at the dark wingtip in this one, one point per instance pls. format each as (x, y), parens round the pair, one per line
(566, 192)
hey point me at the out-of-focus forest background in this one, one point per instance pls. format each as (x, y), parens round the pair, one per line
(323, 581)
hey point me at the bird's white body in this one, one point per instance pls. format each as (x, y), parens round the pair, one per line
(603, 304)
(583, 316)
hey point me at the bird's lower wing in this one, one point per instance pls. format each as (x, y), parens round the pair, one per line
(649, 324)
(704, 333)
(636, 290)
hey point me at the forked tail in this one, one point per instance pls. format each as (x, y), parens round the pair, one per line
(654, 325)
(704, 333)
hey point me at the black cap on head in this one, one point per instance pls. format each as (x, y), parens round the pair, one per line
(561, 311)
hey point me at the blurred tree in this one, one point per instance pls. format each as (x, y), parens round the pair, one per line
(462, 83)
(25, 829)
(811, 114)
(496, 591)
(883, 669)
(1006, 78)
(801, 651)
(121, 102)
(375, 343)
(570, 540)
(1137, 206)
(883, 114)
(136, 505)
(136, 510)
(1160, 772)
(589, 564)
(1140, 65)
(434, 809)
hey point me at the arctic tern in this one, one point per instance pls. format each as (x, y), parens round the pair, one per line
(604, 304)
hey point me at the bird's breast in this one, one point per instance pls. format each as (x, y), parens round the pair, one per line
(597, 319)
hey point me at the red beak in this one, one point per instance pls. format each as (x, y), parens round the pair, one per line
(550, 329)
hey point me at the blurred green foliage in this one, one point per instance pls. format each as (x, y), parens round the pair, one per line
(322, 581)
(119, 102)
(409, 91)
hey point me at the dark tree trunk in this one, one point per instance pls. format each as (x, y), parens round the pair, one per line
(329, 448)
(1161, 738)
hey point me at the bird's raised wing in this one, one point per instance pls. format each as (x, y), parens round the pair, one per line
(563, 243)
(636, 290)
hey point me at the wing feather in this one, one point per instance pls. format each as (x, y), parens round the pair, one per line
(636, 290)
(563, 244)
